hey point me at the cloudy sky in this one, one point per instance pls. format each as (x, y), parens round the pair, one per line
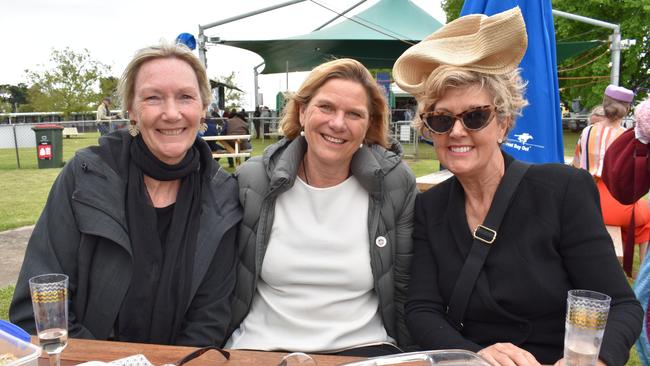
(112, 30)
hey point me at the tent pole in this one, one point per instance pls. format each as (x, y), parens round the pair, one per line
(616, 39)
(340, 15)
(202, 39)
(255, 85)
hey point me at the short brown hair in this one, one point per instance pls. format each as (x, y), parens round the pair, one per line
(345, 69)
(126, 88)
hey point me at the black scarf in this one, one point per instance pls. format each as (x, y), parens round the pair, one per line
(154, 306)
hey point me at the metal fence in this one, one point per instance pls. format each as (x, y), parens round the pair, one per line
(18, 141)
(264, 127)
(268, 127)
(407, 136)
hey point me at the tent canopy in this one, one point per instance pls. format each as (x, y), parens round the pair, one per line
(376, 37)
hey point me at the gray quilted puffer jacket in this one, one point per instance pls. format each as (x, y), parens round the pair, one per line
(392, 191)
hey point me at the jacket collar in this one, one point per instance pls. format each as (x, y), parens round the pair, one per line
(110, 161)
(369, 164)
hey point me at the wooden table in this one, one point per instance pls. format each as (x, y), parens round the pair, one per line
(427, 181)
(231, 152)
(82, 350)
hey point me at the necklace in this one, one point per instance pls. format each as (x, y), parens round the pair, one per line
(304, 170)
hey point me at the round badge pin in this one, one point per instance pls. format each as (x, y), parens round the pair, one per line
(381, 241)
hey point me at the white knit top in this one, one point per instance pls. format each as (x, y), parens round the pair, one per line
(315, 292)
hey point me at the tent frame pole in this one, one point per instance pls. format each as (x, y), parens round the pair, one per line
(615, 38)
(339, 15)
(202, 39)
(255, 84)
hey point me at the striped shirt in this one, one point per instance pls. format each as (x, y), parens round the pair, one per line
(592, 145)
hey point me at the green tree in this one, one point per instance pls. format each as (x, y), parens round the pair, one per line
(108, 87)
(586, 76)
(233, 97)
(452, 8)
(71, 85)
(12, 97)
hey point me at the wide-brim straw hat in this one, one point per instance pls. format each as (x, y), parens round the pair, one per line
(487, 44)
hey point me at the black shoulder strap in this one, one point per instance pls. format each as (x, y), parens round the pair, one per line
(484, 236)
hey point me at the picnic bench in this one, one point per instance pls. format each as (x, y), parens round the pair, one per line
(70, 131)
(230, 151)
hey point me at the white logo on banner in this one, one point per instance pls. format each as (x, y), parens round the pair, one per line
(522, 142)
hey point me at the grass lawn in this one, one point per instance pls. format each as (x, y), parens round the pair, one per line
(25, 190)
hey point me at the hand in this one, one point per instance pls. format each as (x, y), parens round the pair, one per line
(560, 362)
(507, 354)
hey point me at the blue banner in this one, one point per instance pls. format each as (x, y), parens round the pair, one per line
(537, 135)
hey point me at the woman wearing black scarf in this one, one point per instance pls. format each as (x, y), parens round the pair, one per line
(144, 224)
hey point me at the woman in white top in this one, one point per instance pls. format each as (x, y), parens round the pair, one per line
(325, 244)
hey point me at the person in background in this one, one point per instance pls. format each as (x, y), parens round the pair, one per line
(104, 116)
(626, 174)
(214, 124)
(236, 125)
(591, 150)
(256, 121)
(597, 115)
(551, 237)
(145, 223)
(268, 124)
(325, 244)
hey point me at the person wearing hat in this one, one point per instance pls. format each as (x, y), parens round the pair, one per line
(505, 300)
(627, 176)
(591, 149)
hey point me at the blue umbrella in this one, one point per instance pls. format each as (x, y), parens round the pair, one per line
(537, 136)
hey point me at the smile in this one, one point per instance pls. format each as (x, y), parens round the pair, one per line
(333, 140)
(173, 132)
(460, 149)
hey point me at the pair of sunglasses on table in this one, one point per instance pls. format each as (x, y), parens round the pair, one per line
(473, 119)
(292, 359)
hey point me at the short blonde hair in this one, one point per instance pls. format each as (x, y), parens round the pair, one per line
(126, 87)
(345, 69)
(507, 91)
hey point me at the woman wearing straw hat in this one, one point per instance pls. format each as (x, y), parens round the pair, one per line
(497, 246)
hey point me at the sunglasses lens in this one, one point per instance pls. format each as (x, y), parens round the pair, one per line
(477, 119)
(440, 123)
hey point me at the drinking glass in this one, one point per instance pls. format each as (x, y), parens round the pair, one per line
(49, 299)
(586, 318)
(297, 359)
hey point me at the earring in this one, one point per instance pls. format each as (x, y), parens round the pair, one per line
(302, 133)
(499, 140)
(360, 146)
(133, 128)
(203, 126)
